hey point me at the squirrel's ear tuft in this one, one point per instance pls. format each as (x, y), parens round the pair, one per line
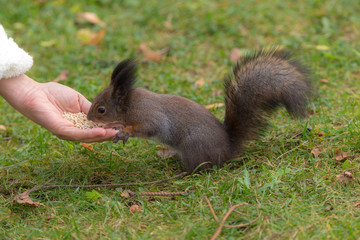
(123, 77)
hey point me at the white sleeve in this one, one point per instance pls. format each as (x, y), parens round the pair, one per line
(13, 60)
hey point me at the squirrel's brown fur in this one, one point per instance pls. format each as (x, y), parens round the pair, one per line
(260, 82)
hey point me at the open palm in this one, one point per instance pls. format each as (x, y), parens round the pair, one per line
(44, 103)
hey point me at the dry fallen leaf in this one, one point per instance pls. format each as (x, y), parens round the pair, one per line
(342, 156)
(135, 208)
(216, 93)
(167, 24)
(2, 127)
(166, 153)
(329, 208)
(214, 105)
(125, 194)
(322, 47)
(24, 198)
(86, 36)
(200, 82)
(357, 205)
(150, 55)
(97, 37)
(235, 55)
(345, 177)
(88, 146)
(49, 217)
(62, 76)
(91, 18)
(324, 80)
(315, 152)
(319, 134)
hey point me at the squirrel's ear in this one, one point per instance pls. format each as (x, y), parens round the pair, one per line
(123, 77)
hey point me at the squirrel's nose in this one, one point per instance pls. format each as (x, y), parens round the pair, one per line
(89, 117)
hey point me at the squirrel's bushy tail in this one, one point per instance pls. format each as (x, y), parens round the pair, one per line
(260, 82)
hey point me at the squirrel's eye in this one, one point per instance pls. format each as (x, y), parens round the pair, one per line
(101, 110)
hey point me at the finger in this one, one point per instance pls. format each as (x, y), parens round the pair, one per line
(87, 135)
(84, 104)
(109, 134)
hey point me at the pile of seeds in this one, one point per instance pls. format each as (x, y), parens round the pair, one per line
(79, 120)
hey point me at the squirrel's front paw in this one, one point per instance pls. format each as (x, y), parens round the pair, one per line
(118, 128)
(120, 135)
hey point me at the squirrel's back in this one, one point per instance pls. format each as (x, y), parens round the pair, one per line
(198, 136)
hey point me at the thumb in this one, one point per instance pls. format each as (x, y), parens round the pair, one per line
(84, 104)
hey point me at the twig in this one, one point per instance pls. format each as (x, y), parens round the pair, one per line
(222, 223)
(243, 214)
(111, 185)
(24, 198)
(216, 218)
(161, 194)
(7, 138)
(36, 188)
(211, 209)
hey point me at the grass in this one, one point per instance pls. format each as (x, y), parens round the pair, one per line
(276, 174)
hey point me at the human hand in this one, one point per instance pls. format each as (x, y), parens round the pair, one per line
(44, 103)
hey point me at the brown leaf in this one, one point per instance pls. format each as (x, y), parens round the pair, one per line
(91, 18)
(357, 205)
(24, 198)
(166, 153)
(315, 152)
(62, 76)
(216, 93)
(319, 134)
(342, 156)
(329, 208)
(49, 217)
(86, 36)
(167, 24)
(164, 51)
(97, 37)
(214, 105)
(200, 82)
(150, 55)
(135, 208)
(125, 194)
(349, 175)
(345, 177)
(88, 146)
(2, 127)
(324, 80)
(235, 55)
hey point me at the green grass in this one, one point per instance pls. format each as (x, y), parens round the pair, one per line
(276, 174)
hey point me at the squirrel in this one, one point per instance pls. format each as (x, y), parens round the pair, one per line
(261, 81)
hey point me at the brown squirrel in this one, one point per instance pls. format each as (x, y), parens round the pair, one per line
(260, 82)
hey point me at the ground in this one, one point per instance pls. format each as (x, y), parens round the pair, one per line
(293, 189)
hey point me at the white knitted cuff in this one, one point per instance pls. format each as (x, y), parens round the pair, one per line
(13, 60)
